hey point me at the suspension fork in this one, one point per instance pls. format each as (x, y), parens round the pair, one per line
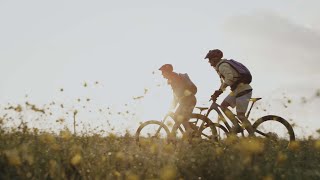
(198, 118)
(158, 130)
(220, 116)
(193, 126)
(174, 119)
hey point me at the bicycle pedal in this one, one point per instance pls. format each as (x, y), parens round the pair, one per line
(195, 135)
(239, 130)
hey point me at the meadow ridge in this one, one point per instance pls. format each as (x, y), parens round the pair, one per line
(27, 152)
(30, 154)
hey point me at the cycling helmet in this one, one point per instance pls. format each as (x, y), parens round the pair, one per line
(215, 53)
(166, 67)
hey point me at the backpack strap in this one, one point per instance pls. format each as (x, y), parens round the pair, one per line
(217, 68)
(188, 83)
(237, 79)
(226, 61)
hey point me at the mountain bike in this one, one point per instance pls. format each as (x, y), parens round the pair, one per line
(205, 129)
(154, 130)
(269, 126)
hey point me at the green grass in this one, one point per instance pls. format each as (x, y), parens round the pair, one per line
(38, 155)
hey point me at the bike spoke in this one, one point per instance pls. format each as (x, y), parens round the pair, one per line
(158, 131)
(209, 137)
(262, 133)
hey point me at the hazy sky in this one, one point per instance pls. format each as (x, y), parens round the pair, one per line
(49, 45)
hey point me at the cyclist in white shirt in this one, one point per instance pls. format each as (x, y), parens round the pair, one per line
(241, 91)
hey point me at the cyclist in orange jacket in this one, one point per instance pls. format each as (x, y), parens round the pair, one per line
(184, 91)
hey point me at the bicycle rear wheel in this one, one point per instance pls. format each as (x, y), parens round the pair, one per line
(152, 132)
(274, 127)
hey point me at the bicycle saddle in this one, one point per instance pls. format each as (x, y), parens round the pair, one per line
(202, 108)
(255, 99)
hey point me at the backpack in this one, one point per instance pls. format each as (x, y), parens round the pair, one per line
(245, 75)
(189, 84)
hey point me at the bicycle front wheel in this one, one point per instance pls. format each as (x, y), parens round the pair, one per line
(152, 132)
(274, 127)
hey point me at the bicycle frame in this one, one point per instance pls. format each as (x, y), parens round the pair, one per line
(215, 106)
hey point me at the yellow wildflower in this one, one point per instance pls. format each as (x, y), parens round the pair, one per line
(281, 157)
(76, 159)
(317, 144)
(13, 157)
(168, 172)
(294, 145)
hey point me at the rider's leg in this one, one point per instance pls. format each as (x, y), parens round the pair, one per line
(186, 109)
(242, 103)
(246, 123)
(230, 100)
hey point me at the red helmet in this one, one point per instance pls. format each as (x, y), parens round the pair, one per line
(166, 67)
(215, 53)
